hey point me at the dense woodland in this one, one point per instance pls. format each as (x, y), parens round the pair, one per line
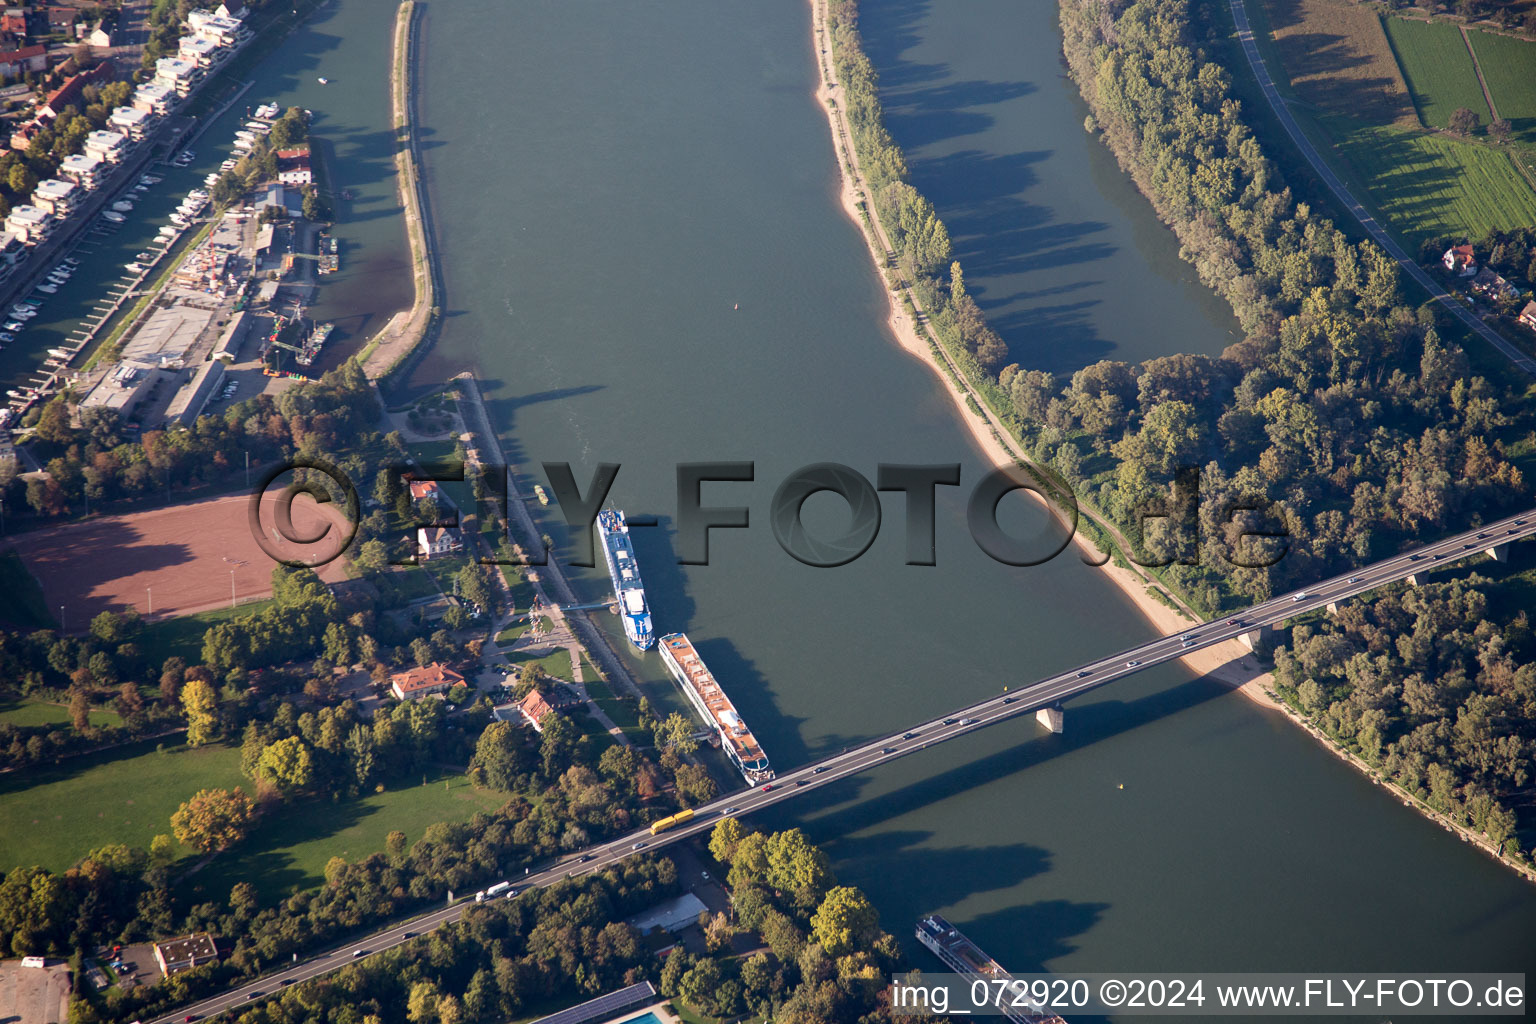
(1344, 416)
(1422, 685)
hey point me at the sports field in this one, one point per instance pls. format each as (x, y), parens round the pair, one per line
(56, 815)
(1438, 70)
(1509, 65)
(175, 560)
(1427, 185)
(1337, 58)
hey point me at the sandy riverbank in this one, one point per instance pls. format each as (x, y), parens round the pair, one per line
(1231, 662)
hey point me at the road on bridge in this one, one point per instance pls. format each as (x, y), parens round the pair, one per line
(1371, 225)
(1048, 692)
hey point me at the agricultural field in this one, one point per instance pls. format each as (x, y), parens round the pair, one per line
(124, 795)
(1509, 66)
(1337, 58)
(1438, 70)
(1426, 185)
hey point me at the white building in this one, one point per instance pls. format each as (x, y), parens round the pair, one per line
(106, 146)
(83, 169)
(57, 197)
(222, 30)
(178, 74)
(199, 50)
(11, 248)
(29, 223)
(154, 98)
(130, 121)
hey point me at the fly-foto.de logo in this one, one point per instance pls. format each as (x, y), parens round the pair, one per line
(1165, 529)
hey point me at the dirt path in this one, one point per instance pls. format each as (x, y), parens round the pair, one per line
(1231, 663)
(1487, 95)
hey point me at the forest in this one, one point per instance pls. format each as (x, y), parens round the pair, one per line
(1347, 419)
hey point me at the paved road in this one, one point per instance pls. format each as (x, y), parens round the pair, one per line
(1521, 361)
(1047, 692)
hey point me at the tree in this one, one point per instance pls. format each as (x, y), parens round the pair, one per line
(676, 733)
(499, 757)
(21, 180)
(287, 764)
(1501, 129)
(79, 709)
(727, 835)
(697, 987)
(1465, 121)
(200, 706)
(214, 819)
(845, 921)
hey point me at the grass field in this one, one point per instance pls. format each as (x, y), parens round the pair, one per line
(1426, 185)
(1337, 58)
(1438, 70)
(125, 795)
(33, 712)
(290, 847)
(183, 635)
(1509, 66)
(21, 596)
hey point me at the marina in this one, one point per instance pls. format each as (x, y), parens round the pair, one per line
(709, 700)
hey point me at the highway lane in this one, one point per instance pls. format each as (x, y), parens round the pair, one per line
(1048, 692)
(1371, 225)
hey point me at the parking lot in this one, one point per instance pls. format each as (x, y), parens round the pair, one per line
(33, 995)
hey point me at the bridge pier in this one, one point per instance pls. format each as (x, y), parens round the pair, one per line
(1413, 579)
(1257, 637)
(1051, 718)
(1333, 607)
(1498, 552)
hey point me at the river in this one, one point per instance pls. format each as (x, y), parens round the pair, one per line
(645, 259)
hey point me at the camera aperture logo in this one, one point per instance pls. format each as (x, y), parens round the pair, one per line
(1169, 528)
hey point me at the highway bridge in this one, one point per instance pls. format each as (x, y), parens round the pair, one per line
(1493, 540)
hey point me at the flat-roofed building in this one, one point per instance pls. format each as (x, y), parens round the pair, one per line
(12, 246)
(199, 50)
(176, 73)
(192, 399)
(123, 388)
(82, 169)
(233, 337)
(29, 223)
(107, 146)
(131, 121)
(177, 955)
(154, 98)
(55, 196)
(217, 27)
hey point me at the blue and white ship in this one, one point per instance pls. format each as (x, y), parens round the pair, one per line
(626, 578)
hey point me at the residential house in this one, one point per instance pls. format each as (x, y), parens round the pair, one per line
(185, 953)
(130, 121)
(424, 681)
(23, 59)
(100, 35)
(1528, 315)
(435, 541)
(177, 74)
(29, 223)
(1459, 260)
(83, 169)
(13, 22)
(293, 166)
(425, 489)
(198, 50)
(106, 146)
(61, 19)
(72, 92)
(55, 196)
(1493, 286)
(154, 98)
(536, 706)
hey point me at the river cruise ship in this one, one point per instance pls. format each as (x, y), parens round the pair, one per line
(703, 692)
(625, 574)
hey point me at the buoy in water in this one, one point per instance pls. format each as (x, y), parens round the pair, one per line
(1122, 785)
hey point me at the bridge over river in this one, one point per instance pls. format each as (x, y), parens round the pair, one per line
(1492, 540)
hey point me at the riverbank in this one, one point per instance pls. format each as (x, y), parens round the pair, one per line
(1231, 662)
(399, 339)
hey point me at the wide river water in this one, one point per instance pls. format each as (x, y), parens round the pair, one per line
(645, 259)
